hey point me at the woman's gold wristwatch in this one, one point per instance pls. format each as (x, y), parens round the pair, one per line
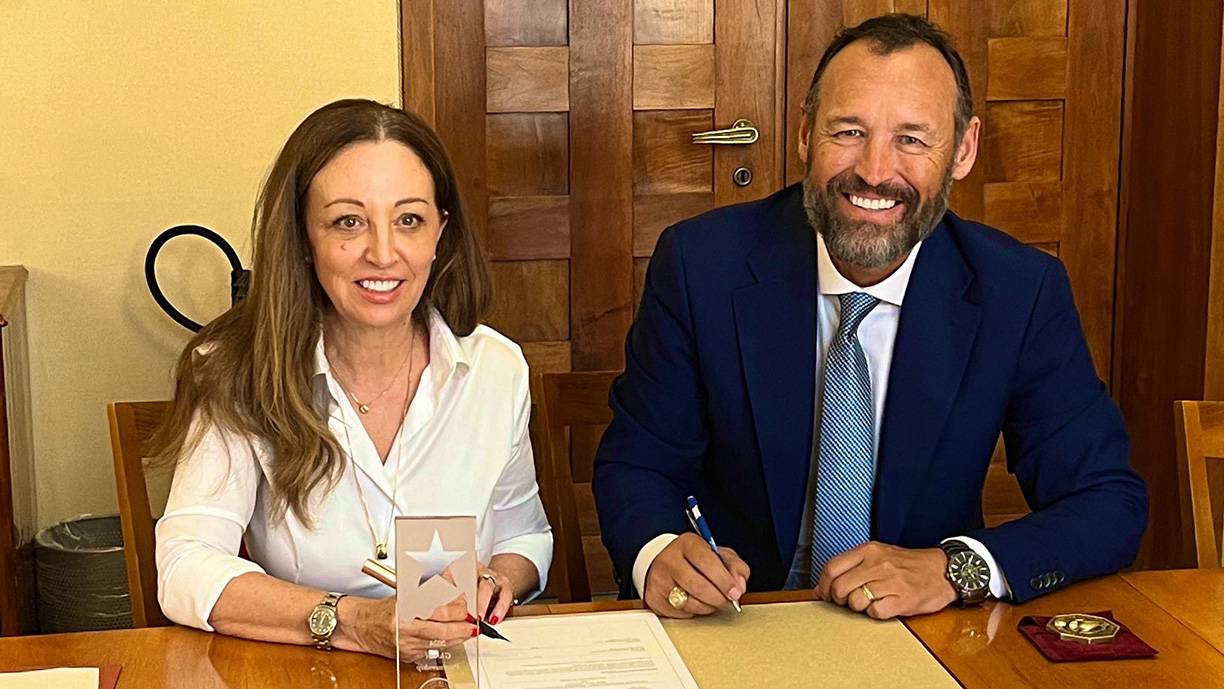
(322, 621)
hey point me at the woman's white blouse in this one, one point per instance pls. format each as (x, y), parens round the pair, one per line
(463, 450)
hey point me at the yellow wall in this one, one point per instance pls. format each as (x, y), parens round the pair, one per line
(120, 119)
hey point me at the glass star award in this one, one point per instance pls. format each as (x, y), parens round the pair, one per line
(435, 562)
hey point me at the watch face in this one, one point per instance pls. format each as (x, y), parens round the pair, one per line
(968, 571)
(322, 621)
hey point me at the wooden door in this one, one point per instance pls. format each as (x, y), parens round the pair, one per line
(1047, 83)
(570, 126)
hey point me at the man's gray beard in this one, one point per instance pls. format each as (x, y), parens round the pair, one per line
(867, 244)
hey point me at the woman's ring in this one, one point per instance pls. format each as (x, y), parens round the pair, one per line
(677, 597)
(489, 577)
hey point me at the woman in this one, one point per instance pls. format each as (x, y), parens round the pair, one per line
(353, 384)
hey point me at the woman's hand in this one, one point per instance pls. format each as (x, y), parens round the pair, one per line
(370, 624)
(493, 586)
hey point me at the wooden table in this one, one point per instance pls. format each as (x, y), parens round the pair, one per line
(1194, 596)
(1181, 613)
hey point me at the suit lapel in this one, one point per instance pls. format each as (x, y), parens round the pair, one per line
(934, 339)
(775, 321)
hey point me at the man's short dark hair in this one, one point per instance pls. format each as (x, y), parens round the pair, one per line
(890, 33)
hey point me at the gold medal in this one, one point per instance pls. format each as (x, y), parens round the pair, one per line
(1086, 629)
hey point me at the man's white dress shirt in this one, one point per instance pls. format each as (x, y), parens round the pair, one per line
(463, 449)
(877, 333)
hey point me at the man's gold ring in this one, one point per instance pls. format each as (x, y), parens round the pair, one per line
(677, 597)
(867, 592)
(492, 579)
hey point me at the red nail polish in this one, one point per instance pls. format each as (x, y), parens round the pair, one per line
(475, 631)
(469, 619)
(494, 620)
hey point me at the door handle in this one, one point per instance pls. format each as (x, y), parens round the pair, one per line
(741, 132)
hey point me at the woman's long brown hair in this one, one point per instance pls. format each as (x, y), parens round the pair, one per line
(248, 373)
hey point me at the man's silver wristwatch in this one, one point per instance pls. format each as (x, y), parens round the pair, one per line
(322, 621)
(967, 572)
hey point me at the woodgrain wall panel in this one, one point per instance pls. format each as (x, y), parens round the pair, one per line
(1027, 68)
(528, 154)
(458, 85)
(528, 79)
(1028, 17)
(1028, 211)
(1091, 159)
(810, 27)
(526, 23)
(1023, 141)
(543, 317)
(665, 161)
(965, 20)
(653, 214)
(547, 357)
(662, 22)
(529, 227)
(601, 182)
(858, 11)
(417, 78)
(673, 77)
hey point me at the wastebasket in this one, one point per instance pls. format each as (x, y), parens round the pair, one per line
(81, 576)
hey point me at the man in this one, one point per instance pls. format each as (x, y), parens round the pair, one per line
(828, 370)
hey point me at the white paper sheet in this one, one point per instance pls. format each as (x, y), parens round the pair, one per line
(620, 650)
(53, 678)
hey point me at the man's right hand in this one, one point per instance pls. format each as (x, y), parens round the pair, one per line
(688, 562)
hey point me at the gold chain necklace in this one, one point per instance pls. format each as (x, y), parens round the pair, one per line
(380, 546)
(364, 407)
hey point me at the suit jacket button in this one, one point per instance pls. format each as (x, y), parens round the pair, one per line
(1035, 582)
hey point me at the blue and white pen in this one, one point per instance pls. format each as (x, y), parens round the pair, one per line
(703, 529)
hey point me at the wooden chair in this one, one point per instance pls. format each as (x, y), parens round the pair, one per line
(131, 426)
(571, 412)
(1200, 436)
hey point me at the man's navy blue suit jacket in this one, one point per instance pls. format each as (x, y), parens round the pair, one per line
(718, 395)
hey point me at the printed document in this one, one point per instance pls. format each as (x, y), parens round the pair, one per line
(619, 650)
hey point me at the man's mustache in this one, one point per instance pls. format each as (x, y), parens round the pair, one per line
(850, 183)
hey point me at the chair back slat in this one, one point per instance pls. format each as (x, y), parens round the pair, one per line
(571, 412)
(1200, 450)
(132, 424)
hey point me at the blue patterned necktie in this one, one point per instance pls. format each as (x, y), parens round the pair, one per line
(846, 464)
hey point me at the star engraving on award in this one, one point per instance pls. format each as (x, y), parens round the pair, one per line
(436, 560)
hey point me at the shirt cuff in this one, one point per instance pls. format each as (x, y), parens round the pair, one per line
(999, 587)
(646, 556)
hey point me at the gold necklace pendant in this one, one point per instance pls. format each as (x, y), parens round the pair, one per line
(380, 551)
(363, 408)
